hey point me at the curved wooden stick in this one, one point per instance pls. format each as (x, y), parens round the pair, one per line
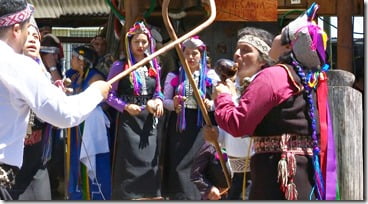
(168, 46)
(172, 34)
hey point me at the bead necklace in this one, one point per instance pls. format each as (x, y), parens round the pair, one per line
(189, 90)
(142, 73)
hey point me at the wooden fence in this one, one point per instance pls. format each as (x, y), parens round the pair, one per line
(347, 113)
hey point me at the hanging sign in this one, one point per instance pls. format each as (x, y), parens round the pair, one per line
(246, 10)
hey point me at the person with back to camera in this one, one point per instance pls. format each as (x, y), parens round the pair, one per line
(22, 89)
(279, 111)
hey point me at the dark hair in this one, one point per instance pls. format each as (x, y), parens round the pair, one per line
(264, 35)
(11, 6)
(8, 7)
(267, 59)
(87, 52)
(288, 58)
(99, 36)
(50, 40)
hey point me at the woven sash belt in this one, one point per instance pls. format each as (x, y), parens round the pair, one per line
(288, 145)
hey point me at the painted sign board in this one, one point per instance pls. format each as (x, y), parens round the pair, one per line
(246, 10)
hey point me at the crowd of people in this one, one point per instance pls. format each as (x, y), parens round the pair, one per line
(144, 137)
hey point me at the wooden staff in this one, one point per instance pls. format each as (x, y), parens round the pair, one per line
(172, 34)
(168, 46)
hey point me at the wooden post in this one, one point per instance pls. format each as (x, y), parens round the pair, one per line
(131, 12)
(347, 115)
(345, 35)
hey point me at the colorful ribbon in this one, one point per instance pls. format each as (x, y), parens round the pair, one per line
(327, 143)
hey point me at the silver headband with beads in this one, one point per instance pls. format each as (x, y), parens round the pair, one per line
(255, 42)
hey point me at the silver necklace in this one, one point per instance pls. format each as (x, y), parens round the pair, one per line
(143, 73)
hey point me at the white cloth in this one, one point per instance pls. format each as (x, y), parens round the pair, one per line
(94, 139)
(213, 76)
(23, 88)
(39, 188)
(235, 146)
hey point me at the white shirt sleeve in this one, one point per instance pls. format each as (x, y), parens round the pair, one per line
(33, 88)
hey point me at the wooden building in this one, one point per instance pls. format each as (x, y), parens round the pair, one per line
(119, 15)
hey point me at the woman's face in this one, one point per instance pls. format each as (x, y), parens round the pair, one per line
(77, 64)
(32, 46)
(99, 44)
(139, 44)
(248, 61)
(193, 57)
(277, 49)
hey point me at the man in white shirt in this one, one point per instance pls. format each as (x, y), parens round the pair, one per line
(23, 89)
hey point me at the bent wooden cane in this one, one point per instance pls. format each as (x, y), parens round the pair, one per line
(172, 34)
(167, 47)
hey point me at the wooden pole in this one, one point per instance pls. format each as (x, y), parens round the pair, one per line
(347, 115)
(345, 35)
(172, 34)
(168, 46)
(131, 8)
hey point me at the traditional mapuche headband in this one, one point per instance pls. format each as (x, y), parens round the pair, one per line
(255, 42)
(17, 17)
(49, 50)
(194, 42)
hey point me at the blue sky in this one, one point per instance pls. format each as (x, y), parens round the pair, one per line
(358, 26)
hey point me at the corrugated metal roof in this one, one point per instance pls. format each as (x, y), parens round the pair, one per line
(56, 8)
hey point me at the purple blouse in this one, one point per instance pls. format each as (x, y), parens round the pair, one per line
(270, 88)
(113, 100)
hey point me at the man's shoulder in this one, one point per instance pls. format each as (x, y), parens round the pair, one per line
(273, 71)
(18, 61)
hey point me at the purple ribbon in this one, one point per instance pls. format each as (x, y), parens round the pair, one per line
(331, 164)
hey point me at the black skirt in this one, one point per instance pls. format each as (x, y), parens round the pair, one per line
(135, 163)
(180, 150)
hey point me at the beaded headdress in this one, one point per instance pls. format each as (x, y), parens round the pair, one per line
(137, 28)
(193, 42)
(307, 39)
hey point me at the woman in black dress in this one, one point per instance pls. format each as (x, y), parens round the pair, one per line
(185, 122)
(138, 100)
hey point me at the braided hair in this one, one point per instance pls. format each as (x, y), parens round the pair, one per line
(313, 122)
(305, 72)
